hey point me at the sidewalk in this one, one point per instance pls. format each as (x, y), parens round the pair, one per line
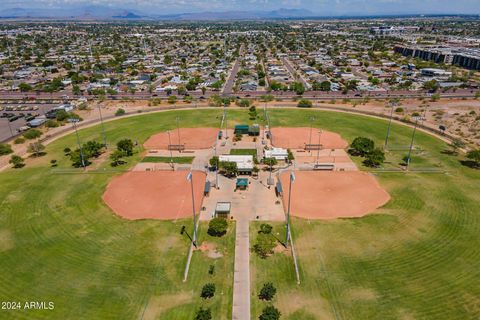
(241, 282)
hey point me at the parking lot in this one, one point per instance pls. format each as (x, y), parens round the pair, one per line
(19, 114)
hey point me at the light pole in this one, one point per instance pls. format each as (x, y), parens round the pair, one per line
(311, 125)
(409, 158)
(103, 127)
(392, 105)
(190, 178)
(170, 144)
(319, 144)
(178, 131)
(292, 179)
(74, 123)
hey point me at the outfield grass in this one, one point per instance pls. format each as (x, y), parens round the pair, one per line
(179, 160)
(244, 152)
(416, 258)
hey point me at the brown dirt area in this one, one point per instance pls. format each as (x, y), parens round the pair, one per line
(163, 195)
(296, 138)
(331, 195)
(192, 138)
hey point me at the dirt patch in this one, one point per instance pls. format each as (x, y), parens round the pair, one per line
(361, 294)
(6, 241)
(331, 195)
(210, 249)
(163, 195)
(281, 249)
(295, 302)
(191, 138)
(159, 304)
(297, 138)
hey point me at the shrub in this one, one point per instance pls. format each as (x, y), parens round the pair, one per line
(32, 134)
(361, 146)
(51, 124)
(53, 163)
(67, 151)
(116, 157)
(267, 292)
(474, 155)
(217, 227)
(399, 110)
(270, 313)
(304, 103)
(203, 314)
(265, 228)
(208, 291)
(19, 140)
(5, 149)
(119, 112)
(17, 161)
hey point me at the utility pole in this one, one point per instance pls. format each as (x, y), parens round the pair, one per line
(292, 179)
(178, 131)
(103, 127)
(409, 158)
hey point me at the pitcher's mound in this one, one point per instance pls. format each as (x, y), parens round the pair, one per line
(330, 195)
(191, 138)
(297, 138)
(162, 195)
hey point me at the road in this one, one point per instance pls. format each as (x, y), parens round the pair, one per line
(227, 89)
(280, 95)
(293, 72)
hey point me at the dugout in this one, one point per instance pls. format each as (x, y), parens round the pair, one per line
(222, 210)
(254, 130)
(241, 129)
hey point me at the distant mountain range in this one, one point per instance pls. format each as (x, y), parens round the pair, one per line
(103, 12)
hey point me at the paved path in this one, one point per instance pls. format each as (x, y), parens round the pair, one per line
(241, 278)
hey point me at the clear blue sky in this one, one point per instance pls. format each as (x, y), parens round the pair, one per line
(321, 7)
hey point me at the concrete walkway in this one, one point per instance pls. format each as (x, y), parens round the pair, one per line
(241, 278)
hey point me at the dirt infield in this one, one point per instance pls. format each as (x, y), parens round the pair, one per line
(296, 138)
(330, 195)
(163, 195)
(191, 138)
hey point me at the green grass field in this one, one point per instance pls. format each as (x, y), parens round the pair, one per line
(244, 152)
(179, 160)
(416, 258)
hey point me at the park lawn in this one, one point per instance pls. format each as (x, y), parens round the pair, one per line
(417, 257)
(244, 152)
(179, 160)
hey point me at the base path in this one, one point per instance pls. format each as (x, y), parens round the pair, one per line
(164, 195)
(331, 195)
(191, 138)
(297, 138)
(241, 278)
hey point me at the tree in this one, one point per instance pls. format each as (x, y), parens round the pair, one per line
(208, 291)
(228, 168)
(361, 146)
(116, 157)
(36, 149)
(24, 87)
(172, 99)
(217, 227)
(271, 162)
(290, 156)
(119, 112)
(126, 147)
(304, 103)
(431, 85)
(5, 149)
(374, 158)
(243, 103)
(474, 155)
(214, 162)
(457, 144)
(298, 88)
(203, 314)
(17, 161)
(264, 245)
(265, 228)
(270, 313)
(53, 163)
(267, 292)
(67, 151)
